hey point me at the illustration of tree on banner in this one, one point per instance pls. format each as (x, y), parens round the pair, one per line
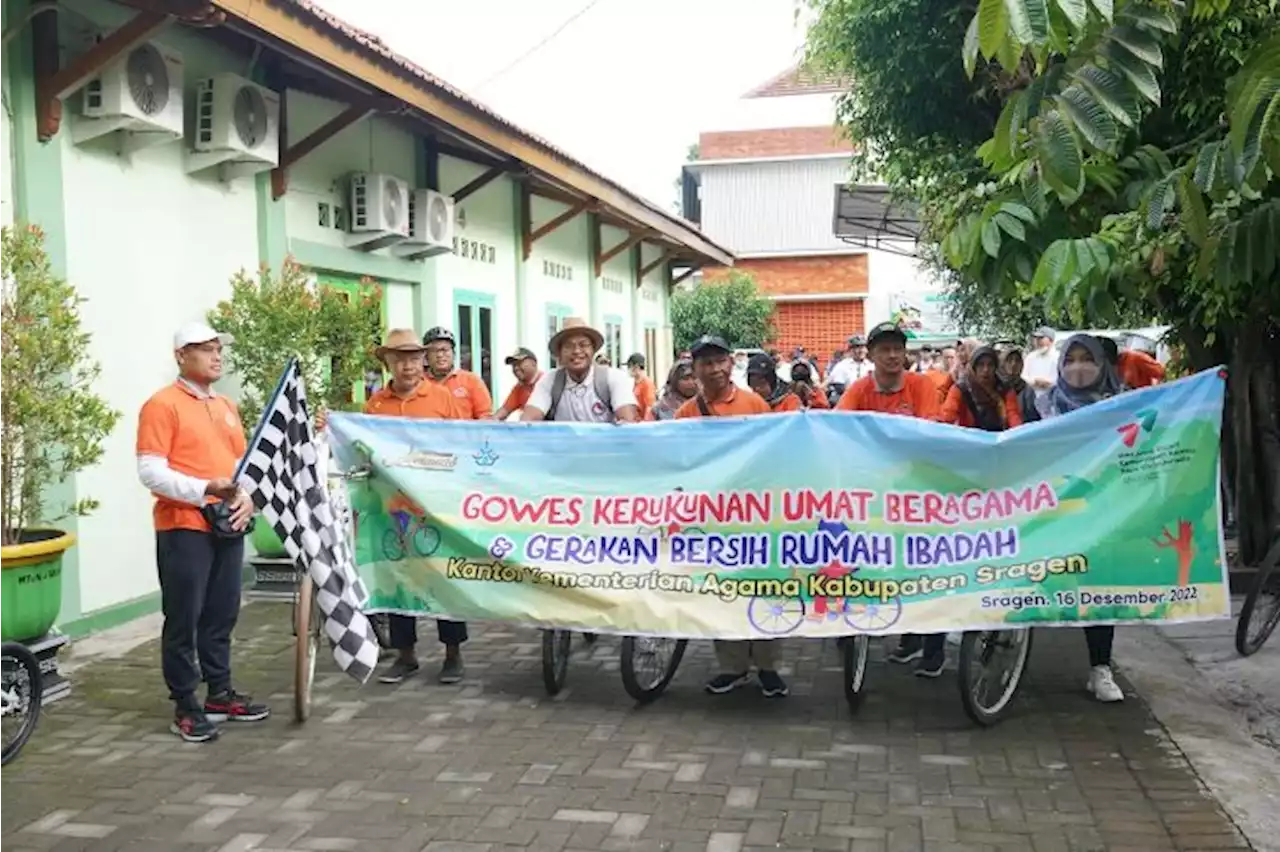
(1125, 168)
(732, 308)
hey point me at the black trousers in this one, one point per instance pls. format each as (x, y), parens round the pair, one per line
(200, 597)
(404, 631)
(1099, 640)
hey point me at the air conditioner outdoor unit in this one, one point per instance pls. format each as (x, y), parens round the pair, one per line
(237, 122)
(379, 211)
(430, 225)
(139, 95)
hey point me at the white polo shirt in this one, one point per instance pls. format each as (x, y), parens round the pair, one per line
(579, 402)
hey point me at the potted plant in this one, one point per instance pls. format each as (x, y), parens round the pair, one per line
(331, 331)
(53, 426)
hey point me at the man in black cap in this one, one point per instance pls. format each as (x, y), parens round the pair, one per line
(892, 389)
(721, 397)
(524, 366)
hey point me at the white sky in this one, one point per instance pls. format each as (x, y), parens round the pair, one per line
(625, 88)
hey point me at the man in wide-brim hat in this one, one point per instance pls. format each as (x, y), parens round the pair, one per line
(578, 390)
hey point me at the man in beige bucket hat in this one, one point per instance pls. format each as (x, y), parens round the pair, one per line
(579, 390)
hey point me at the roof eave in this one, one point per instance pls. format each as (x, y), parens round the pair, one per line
(296, 25)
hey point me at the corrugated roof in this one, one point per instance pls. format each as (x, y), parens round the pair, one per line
(374, 44)
(799, 80)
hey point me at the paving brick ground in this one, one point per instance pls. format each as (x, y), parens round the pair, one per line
(493, 764)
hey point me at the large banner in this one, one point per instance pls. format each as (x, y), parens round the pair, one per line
(806, 524)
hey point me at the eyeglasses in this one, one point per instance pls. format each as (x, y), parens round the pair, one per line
(578, 346)
(440, 350)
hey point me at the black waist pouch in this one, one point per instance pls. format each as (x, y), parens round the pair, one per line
(219, 517)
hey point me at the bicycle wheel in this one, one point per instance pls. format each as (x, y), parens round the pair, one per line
(992, 663)
(648, 665)
(426, 540)
(855, 652)
(1261, 611)
(556, 645)
(392, 545)
(23, 692)
(306, 624)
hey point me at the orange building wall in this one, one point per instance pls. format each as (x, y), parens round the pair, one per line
(819, 326)
(774, 142)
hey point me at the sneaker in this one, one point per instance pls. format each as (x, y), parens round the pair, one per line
(772, 684)
(193, 726)
(909, 648)
(931, 666)
(230, 705)
(1103, 685)
(722, 683)
(452, 670)
(399, 669)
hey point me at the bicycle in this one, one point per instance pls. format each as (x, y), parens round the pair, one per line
(21, 694)
(648, 663)
(424, 538)
(1261, 611)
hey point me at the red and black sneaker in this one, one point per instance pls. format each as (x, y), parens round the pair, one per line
(231, 706)
(193, 726)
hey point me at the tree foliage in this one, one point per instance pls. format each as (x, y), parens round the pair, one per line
(274, 318)
(1130, 172)
(53, 421)
(732, 308)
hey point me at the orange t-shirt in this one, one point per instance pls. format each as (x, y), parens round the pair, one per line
(818, 399)
(790, 402)
(198, 436)
(470, 394)
(954, 410)
(918, 397)
(942, 380)
(646, 395)
(519, 396)
(1139, 370)
(735, 402)
(429, 400)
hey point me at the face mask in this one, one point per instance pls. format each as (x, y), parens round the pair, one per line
(1080, 374)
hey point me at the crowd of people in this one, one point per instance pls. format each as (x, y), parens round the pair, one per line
(190, 439)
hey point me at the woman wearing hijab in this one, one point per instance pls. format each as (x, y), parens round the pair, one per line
(1086, 376)
(681, 387)
(978, 399)
(1011, 364)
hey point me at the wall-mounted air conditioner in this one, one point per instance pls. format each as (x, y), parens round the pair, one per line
(237, 127)
(138, 97)
(379, 211)
(430, 225)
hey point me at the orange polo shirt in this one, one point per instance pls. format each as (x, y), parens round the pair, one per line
(942, 380)
(198, 436)
(954, 410)
(1139, 370)
(734, 402)
(918, 397)
(646, 394)
(429, 400)
(519, 396)
(818, 399)
(470, 394)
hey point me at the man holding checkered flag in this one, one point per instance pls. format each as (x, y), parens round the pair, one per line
(284, 474)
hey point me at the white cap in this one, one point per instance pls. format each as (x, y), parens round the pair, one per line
(198, 332)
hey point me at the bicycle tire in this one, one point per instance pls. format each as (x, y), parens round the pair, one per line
(306, 649)
(855, 653)
(393, 546)
(1268, 573)
(556, 646)
(641, 693)
(426, 540)
(26, 661)
(988, 716)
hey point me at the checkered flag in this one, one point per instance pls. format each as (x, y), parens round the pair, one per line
(283, 473)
